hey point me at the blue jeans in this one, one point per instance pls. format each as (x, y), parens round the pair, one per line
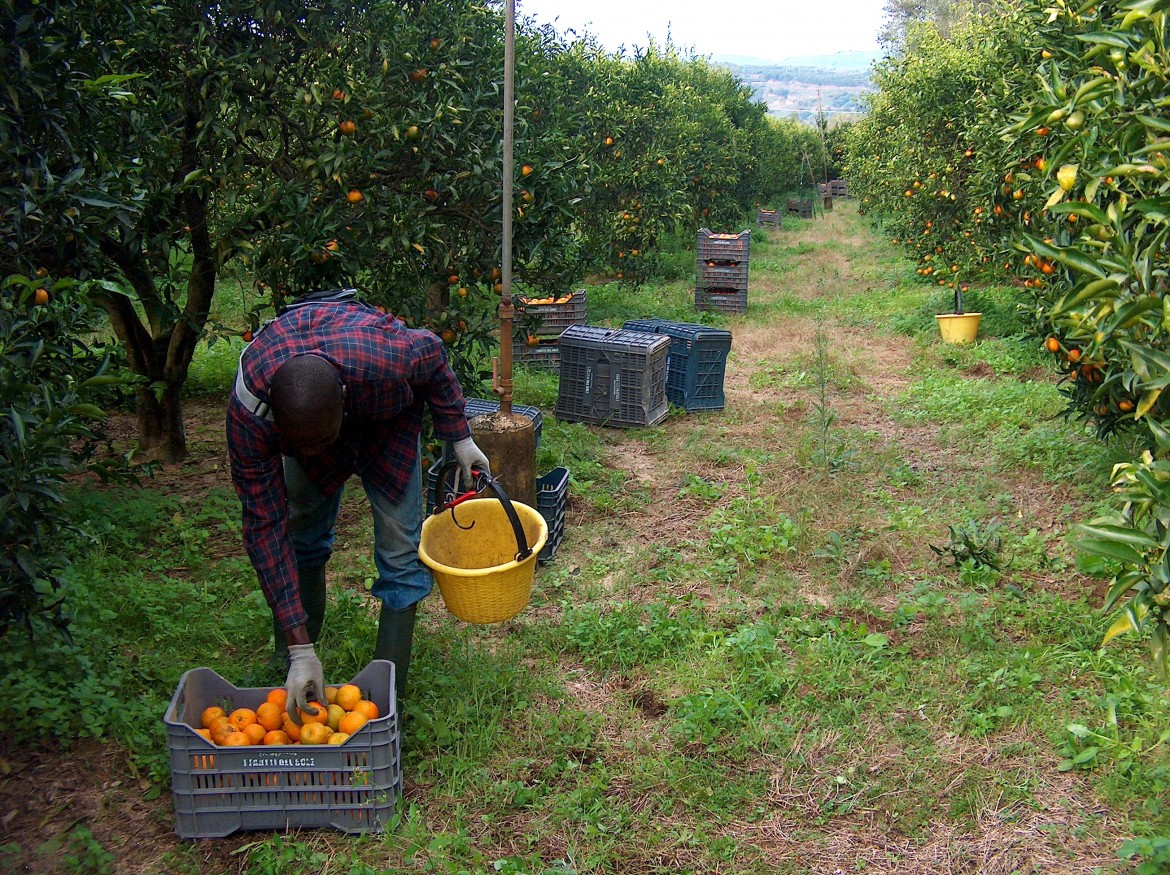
(403, 579)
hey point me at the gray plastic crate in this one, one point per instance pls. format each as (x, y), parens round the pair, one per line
(549, 320)
(713, 275)
(352, 787)
(802, 207)
(697, 362)
(723, 247)
(546, 355)
(552, 500)
(771, 218)
(612, 376)
(724, 300)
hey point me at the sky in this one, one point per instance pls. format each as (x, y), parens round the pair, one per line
(766, 29)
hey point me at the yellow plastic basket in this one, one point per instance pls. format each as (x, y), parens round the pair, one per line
(472, 551)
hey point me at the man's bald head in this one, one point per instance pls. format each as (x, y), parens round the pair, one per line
(308, 402)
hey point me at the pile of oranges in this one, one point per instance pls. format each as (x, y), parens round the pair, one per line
(343, 714)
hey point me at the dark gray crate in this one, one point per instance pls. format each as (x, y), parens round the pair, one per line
(724, 248)
(217, 790)
(770, 218)
(546, 355)
(713, 275)
(723, 300)
(697, 362)
(612, 376)
(802, 207)
(552, 500)
(549, 320)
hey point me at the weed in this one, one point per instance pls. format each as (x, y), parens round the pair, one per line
(975, 544)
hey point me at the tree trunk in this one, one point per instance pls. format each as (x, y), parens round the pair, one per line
(160, 424)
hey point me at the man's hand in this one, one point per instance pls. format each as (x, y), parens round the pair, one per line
(306, 681)
(469, 455)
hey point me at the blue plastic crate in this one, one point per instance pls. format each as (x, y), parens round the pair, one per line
(697, 362)
(552, 500)
(612, 377)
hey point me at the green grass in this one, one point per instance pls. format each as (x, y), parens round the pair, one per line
(744, 631)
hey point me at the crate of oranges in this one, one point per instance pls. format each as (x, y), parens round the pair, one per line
(238, 762)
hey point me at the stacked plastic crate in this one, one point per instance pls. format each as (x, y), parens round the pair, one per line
(696, 364)
(539, 323)
(770, 218)
(612, 376)
(803, 207)
(838, 188)
(722, 271)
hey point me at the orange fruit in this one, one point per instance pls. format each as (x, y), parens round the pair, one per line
(321, 716)
(352, 722)
(206, 733)
(335, 712)
(209, 714)
(277, 736)
(1074, 355)
(370, 709)
(235, 739)
(330, 695)
(315, 733)
(1052, 344)
(355, 196)
(278, 696)
(40, 296)
(270, 716)
(348, 695)
(347, 127)
(242, 717)
(292, 731)
(338, 738)
(219, 724)
(255, 733)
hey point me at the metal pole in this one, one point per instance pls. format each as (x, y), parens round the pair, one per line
(507, 311)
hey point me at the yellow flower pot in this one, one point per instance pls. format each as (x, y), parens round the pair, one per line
(958, 327)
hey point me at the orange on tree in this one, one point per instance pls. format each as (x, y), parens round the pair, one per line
(1052, 344)
(348, 127)
(40, 296)
(355, 196)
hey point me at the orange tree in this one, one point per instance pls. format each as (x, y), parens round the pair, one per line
(1103, 85)
(927, 159)
(49, 374)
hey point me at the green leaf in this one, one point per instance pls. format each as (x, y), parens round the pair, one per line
(1068, 257)
(1121, 534)
(1112, 549)
(876, 640)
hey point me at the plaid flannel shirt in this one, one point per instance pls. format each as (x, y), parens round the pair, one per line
(389, 371)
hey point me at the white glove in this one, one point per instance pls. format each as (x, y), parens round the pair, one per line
(469, 455)
(306, 681)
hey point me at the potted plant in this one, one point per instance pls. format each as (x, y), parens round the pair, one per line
(959, 326)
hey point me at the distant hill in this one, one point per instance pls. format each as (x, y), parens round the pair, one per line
(796, 86)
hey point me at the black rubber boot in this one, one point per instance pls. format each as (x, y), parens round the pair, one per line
(312, 583)
(395, 636)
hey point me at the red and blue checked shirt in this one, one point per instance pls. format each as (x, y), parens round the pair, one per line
(389, 371)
